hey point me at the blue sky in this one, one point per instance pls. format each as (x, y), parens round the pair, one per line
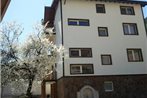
(26, 12)
(29, 12)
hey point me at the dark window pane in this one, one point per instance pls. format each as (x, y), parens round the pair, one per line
(72, 22)
(74, 53)
(86, 53)
(84, 23)
(108, 86)
(102, 31)
(127, 10)
(123, 11)
(130, 29)
(106, 59)
(87, 69)
(134, 55)
(130, 11)
(78, 22)
(100, 8)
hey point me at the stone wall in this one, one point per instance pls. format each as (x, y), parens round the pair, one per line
(125, 86)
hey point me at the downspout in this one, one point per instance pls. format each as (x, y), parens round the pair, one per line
(62, 33)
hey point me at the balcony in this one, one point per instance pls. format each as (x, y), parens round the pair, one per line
(51, 77)
(50, 34)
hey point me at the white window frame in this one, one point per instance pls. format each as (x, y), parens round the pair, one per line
(80, 52)
(129, 25)
(81, 68)
(80, 71)
(108, 90)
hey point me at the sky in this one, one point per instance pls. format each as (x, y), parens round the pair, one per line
(29, 12)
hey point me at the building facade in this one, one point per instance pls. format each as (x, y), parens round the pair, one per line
(106, 43)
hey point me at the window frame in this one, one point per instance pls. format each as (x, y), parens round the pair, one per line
(103, 6)
(106, 28)
(129, 29)
(140, 55)
(109, 55)
(132, 8)
(80, 52)
(78, 22)
(112, 86)
(81, 70)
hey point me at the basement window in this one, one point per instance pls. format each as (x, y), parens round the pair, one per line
(108, 86)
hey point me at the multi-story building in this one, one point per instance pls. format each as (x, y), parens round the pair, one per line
(106, 41)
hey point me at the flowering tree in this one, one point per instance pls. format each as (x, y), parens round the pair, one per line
(31, 61)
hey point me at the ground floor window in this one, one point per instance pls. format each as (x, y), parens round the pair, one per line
(81, 69)
(108, 86)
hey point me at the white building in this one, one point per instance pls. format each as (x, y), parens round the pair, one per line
(106, 41)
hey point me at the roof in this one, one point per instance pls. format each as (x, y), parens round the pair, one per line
(3, 7)
(142, 3)
(50, 11)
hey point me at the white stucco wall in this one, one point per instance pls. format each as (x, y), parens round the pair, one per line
(58, 41)
(116, 44)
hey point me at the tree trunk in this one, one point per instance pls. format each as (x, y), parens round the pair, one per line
(28, 93)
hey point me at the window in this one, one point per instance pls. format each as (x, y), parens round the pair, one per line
(100, 8)
(127, 10)
(106, 59)
(81, 68)
(108, 86)
(78, 22)
(134, 55)
(130, 28)
(103, 31)
(80, 52)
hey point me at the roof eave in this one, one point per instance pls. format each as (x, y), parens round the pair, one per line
(4, 6)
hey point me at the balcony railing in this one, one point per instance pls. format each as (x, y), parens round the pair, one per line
(52, 76)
